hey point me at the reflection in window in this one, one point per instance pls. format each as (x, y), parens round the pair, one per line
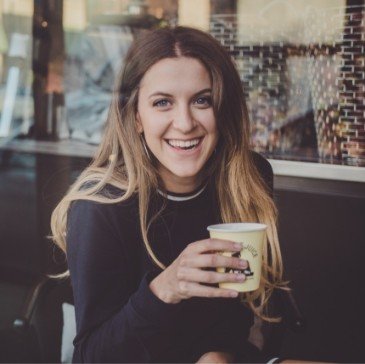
(302, 68)
(95, 50)
(16, 103)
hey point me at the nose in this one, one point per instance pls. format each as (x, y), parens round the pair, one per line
(184, 120)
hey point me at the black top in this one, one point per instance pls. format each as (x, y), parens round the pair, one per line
(118, 317)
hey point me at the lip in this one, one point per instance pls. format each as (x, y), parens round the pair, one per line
(185, 140)
(186, 152)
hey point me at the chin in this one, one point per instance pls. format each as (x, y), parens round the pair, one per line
(181, 171)
(186, 174)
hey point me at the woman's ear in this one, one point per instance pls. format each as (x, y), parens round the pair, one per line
(139, 124)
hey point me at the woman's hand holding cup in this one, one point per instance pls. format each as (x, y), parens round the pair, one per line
(186, 276)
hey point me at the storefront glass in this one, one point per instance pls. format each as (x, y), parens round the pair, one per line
(302, 68)
(16, 102)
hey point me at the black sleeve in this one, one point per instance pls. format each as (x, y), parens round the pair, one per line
(115, 323)
(230, 334)
(265, 170)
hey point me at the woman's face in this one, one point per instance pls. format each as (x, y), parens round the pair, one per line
(175, 114)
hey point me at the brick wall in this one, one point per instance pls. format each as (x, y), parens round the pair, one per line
(284, 81)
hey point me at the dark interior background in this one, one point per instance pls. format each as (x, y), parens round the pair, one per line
(322, 230)
(321, 227)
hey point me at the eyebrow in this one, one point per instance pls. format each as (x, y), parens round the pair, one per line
(160, 93)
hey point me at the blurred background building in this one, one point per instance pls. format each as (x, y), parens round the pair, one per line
(302, 66)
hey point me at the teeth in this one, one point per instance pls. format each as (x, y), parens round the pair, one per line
(183, 144)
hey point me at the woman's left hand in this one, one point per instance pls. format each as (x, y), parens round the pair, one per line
(216, 357)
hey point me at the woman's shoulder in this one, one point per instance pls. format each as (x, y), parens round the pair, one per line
(101, 219)
(261, 163)
(264, 168)
(108, 200)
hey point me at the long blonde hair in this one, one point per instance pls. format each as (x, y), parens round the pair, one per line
(122, 162)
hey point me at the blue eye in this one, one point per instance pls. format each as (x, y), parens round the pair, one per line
(204, 100)
(161, 103)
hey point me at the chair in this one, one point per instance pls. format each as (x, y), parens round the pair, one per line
(31, 318)
(18, 338)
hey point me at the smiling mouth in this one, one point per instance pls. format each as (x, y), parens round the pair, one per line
(184, 144)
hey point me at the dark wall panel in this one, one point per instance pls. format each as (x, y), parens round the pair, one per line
(323, 244)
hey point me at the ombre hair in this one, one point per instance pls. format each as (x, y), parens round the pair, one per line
(121, 160)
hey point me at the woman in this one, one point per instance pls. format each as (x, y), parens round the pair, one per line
(174, 159)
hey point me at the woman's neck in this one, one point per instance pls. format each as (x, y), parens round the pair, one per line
(182, 185)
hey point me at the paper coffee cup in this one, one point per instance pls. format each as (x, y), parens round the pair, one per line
(252, 236)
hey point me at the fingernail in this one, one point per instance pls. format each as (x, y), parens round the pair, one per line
(240, 277)
(238, 246)
(243, 264)
(234, 294)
